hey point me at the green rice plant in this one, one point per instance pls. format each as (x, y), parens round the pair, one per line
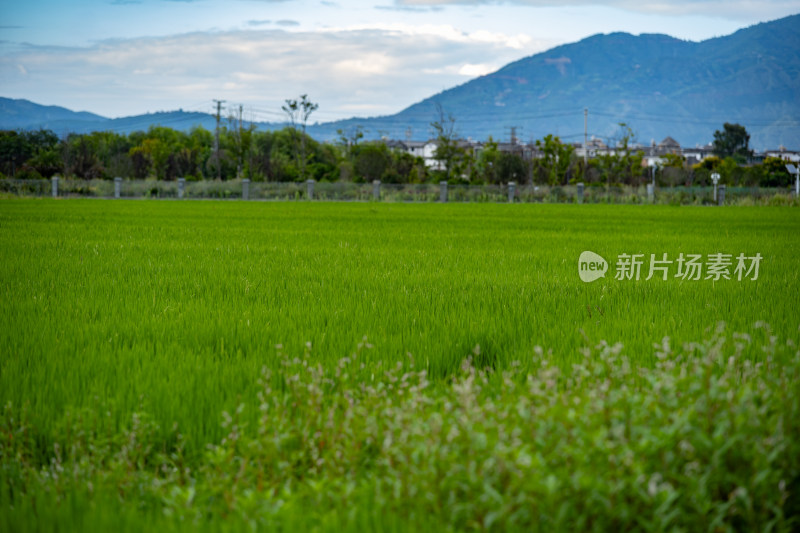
(128, 327)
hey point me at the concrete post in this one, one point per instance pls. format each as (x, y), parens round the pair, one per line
(181, 186)
(721, 195)
(117, 187)
(580, 192)
(54, 186)
(443, 191)
(310, 189)
(512, 190)
(650, 193)
(376, 190)
(245, 189)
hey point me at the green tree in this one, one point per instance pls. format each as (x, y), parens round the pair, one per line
(732, 141)
(164, 152)
(80, 157)
(556, 159)
(13, 151)
(448, 153)
(112, 151)
(260, 156)
(298, 112)
(200, 142)
(371, 161)
(29, 149)
(142, 162)
(402, 167)
(774, 173)
(673, 160)
(488, 163)
(673, 171)
(349, 139)
(730, 171)
(624, 165)
(46, 163)
(238, 139)
(511, 167)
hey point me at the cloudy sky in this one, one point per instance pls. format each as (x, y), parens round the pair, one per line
(359, 58)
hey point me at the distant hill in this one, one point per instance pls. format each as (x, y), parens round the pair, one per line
(22, 114)
(659, 85)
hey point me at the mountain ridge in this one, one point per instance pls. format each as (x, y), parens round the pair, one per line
(657, 84)
(748, 76)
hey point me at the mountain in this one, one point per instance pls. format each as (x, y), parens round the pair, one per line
(22, 114)
(658, 85)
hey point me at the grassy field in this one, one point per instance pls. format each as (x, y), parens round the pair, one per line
(127, 328)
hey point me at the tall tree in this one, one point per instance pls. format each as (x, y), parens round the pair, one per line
(555, 160)
(488, 162)
(448, 153)
(349, 140)
(732, 141)
(511, 167)
(298, 112)
(625, 165)
(19, 147)
(372, 160)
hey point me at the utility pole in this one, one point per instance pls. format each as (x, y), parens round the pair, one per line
(241, 146)
(512, 134)
(585, 138)
(216, 139)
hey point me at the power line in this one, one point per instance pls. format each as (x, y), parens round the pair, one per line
(672, 119)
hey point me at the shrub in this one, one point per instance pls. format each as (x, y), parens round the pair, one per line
(706, 439)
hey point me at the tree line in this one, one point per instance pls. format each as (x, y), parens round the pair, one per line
(290, 154)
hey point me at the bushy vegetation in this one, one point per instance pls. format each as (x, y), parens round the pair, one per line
(704, 440)
(197, 365)
(166, 154)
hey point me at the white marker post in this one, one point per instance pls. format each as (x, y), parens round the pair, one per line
(715, 179)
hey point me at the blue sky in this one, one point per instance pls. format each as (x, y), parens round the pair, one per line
(360, 58)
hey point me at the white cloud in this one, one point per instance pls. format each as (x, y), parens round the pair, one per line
(743, 9)
(348, 71)
(447, 33)
(476, 70)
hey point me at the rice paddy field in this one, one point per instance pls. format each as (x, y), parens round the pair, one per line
(211, 365)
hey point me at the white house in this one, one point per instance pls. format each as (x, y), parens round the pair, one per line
(790, 156)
